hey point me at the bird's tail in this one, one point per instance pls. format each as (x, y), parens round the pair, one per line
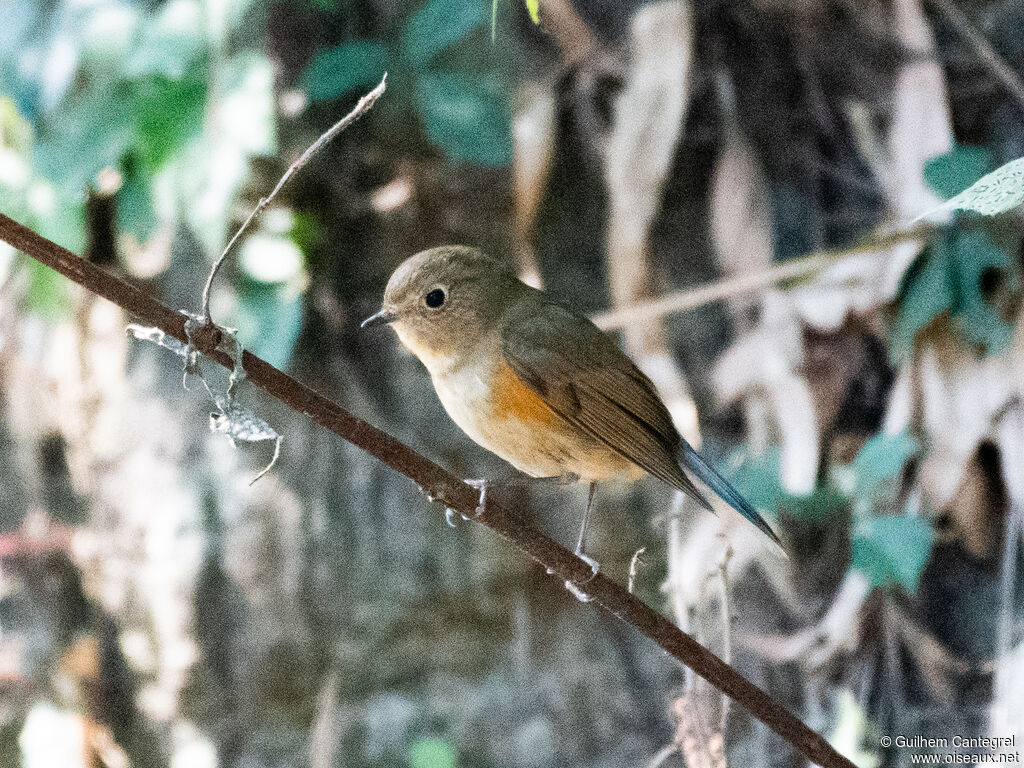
(707, 474)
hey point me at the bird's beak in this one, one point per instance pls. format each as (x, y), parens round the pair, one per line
(380, 318)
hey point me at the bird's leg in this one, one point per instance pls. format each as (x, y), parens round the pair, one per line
(482, 484)
(594, 565)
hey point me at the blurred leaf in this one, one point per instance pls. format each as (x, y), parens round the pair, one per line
(170, 113)
(245, 103)
(758, 479)
(170, 42)
(269, 320)
(880, 461)
(91, 132)
(466, 116)
(926, 291)
(978, 261)
(949, 173)
(533, 6)
(57, 217)
(135, 199)
(992, 194)
(336, 71)
(893, 549)
(439, 24)
(15, 130)
(431, 753)
(239, 123)
(47, 291)
(953, 274)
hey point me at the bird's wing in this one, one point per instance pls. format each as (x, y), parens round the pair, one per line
(587, 380)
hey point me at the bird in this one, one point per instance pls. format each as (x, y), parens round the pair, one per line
(538, 384)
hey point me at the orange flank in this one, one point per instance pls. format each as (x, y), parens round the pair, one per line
(513, 399)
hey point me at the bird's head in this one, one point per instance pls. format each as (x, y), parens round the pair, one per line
(444, 301)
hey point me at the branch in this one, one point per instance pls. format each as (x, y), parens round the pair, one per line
(691, 298)
(989, 56)
(440, 486)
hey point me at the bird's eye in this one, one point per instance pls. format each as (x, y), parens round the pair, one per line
(435, 298)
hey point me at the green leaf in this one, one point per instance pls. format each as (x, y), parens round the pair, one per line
(90, 131)
(336, 71)
(170, 113)
(758, 480)
(880, 462)
(949, 173)
(992, 194)
(431, 753)
(976, 257)
(171, 41)
(47, 291)
(135, 199)
(953, 275)
(533, 6)
(467, 116)
(269, 320)
(926, 291)
(438, 25)
(893, 549)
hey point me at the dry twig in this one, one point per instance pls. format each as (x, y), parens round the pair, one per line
(358, 111)
(691, 298)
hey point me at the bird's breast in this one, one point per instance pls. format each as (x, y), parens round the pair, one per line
(493, 406)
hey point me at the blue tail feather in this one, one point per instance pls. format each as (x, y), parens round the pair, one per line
(710, 477)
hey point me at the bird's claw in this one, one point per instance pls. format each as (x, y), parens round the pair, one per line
(576, 587)
(578, 593)
(481, 506)
(595, 566)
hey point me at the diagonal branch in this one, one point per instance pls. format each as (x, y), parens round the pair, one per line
(690, 298)
(440, 486)
(996, 64)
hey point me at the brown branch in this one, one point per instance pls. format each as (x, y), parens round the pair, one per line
(440, 486)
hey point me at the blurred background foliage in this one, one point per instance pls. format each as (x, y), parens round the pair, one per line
(157, 611)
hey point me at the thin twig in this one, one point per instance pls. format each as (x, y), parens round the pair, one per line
(440, 486)
(988, 55)
(360, 109)
(663, 754)
(691, 298)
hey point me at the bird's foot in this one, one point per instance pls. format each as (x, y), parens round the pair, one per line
(578, 593)
(481, 505)
(594, 565)
(577, 587)
(482, 484)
